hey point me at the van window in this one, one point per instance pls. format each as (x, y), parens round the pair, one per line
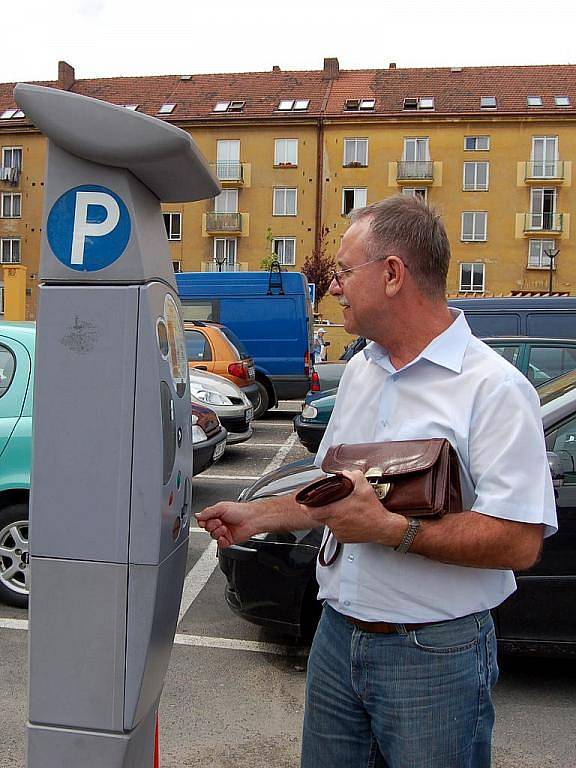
(548, 362)
(559, 324)
(494, 324)
(200, 310)
(7, 368)
(509, 352)
(235, 341)
(197, 347)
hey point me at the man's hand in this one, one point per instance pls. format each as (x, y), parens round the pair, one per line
(360, 517)
(228, 522)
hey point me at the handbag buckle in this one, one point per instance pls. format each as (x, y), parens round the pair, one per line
(375, 477)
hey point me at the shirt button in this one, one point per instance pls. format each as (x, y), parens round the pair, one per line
(346, 602)
(350, 557)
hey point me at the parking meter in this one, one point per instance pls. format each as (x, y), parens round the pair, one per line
(112, 448)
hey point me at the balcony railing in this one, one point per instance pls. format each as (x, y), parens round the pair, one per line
(228, 171)
(224, 222)
(538, 169)
(415, 169)
(10, 175)
(543, 222)
(212, 266)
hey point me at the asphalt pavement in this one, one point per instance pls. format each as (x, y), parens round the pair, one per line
(234, 692)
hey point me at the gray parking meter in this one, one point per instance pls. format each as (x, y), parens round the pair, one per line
(111, 480)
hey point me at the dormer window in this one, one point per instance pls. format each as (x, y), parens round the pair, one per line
(166, 109)
(425, 102)
(289, 105)
(12, 114)
(562, 101)
(410, 103)
(488, 102)
(229, 106)
(354, 105)
(534, 101)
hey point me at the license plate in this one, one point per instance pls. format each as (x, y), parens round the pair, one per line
(251, 372)
(219, 450)
(249, 414)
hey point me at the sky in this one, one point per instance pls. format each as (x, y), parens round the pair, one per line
(111, 38)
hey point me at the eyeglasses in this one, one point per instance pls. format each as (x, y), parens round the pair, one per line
(337, 274)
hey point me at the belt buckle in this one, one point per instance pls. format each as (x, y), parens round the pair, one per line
(375, 476)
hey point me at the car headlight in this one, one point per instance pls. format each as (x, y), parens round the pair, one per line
(309, 412)
(198, 434)
(210, 397)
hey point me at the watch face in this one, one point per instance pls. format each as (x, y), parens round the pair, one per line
(176, 345)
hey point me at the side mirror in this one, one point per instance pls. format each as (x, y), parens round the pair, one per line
(556, 470)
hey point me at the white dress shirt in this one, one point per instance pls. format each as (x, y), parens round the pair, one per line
(460, 389)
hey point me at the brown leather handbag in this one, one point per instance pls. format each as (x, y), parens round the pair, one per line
(415, 478)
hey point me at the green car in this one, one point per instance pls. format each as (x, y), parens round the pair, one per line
(311, 423)
(16, 385)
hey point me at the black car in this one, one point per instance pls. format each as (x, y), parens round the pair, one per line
(271, 578)
(208, 438)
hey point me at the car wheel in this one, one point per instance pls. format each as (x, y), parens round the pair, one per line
(14, 555)
(263, 402)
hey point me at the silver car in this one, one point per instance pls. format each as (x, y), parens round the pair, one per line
(233, 408)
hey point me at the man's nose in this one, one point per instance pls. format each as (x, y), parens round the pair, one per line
(334, 288)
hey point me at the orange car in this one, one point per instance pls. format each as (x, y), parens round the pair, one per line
(215, 348)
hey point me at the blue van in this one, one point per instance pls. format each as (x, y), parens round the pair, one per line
(270, 312)
(550, 316)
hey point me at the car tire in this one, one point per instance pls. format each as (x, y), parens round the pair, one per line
(263, 402)
(14, 566)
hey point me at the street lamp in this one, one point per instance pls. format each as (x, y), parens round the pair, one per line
(551, 253)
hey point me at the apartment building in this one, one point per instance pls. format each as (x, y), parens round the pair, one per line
(490, 147)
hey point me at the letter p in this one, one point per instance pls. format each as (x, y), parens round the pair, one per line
(83, 229)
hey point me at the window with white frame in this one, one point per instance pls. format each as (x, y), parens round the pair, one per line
(228, 159)
(543, 208)
(355, 152)
(173, 224)
(285, 201)
(177, 266)
(488, 102)
(476, 143)
(472, 277)
(12, 157)
(10, 250)
(474, 226)
(284, 248)
(544, 156)
(421, 192)
(537, 258)
(226, 201)
(11, 205)
(353, 197)
(416, 149)
(225, 251)
(286, 152)
(476, 177)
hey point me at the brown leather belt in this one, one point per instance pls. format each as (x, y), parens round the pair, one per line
(383, 627)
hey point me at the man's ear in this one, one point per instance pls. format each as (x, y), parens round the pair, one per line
(394, 271)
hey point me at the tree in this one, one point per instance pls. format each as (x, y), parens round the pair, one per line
(318, 267)
(270, 257)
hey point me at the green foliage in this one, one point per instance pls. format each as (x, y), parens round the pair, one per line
(269, 257)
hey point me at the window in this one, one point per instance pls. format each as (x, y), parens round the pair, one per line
(228, 106)
(228, 167)
(356, 152)
(488, 102)
(543, 209)
(225, 251)
(421, 192)
(286, 105)
(426, 102)
(534, 101)
(416, 149)
(12, 114)
(131, 107)
(353, 198)
(11, 205)
(285, 203)
(173, 224)
(545, 363)
(286, 152)
(537, 258)
(10, 250)
(474, 226)
(284, 248)
(7, 363)
(177, 266)
(226, 201)
(565, 447)
(12, 157)
(544, 156)
(476, 177)
(476, 143)
(562, 101)
(359, 104)
(166, 109)
(197, 347)
(472, 277)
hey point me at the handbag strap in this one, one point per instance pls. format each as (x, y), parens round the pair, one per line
(321, 559)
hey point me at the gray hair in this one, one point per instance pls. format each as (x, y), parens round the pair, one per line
(417, 232)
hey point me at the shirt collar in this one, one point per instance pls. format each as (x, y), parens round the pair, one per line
(447, 349)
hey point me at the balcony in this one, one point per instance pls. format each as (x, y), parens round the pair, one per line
(229, 174)
(538, 170)
(223, 222)
(415, 170)
(543, 222)
(212, 266)
(10, 175)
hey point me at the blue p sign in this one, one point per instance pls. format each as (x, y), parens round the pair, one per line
(88, 228)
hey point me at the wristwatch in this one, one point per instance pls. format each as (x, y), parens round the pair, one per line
(408, 539)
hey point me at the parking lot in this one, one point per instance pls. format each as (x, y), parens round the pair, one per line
(234, 692)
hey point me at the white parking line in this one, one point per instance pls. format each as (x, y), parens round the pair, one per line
(278, 460)
(197, 577)
(13, 624)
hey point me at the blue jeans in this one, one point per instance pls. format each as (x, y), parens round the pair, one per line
(417, 699)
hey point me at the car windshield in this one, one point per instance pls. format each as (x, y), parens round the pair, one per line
(556, 387)
(235, 341)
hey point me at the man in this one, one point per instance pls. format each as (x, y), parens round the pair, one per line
(318, 347)
(402, 666)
